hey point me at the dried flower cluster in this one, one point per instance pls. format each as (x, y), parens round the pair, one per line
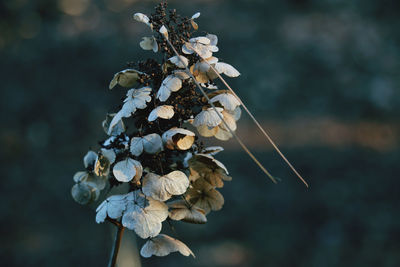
(152, 149)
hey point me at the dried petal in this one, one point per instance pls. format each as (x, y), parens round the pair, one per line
(144, 215)
(164, 187)
(149, 43)
(89, 159)
(164, 112)
(226, 69)
(180, 211)
(125, 78)
(181, 61)
(128, 169)
(162, 245)
(178, 138)
(152, 143)
(164, 31)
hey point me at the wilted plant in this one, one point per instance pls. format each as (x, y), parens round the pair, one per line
(168, 174)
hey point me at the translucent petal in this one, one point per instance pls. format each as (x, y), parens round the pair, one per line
(213, 39)
(85, 193)
(164, 187)
(226, 69)
(152, 143)
(149, 43)
(164, 112)
(202, 40)
(208, 117)
(109, 154)
(187, 49)
(178, 138)
(113, 207)
(181, 74)
(228, 101)
(180, 63)
(142, 18)
(127, 169)
(136, 147)
(162, 245)
(144, 216)
(117, 129)
(206, 131)
(196, 15)
(194, 25)
(164, 31)
(125, 78)
(89, 159)
(179, 211)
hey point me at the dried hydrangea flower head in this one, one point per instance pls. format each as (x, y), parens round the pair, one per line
(152, 150)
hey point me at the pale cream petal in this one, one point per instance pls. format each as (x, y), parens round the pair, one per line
(164, 31)
(181, 61)
(127, 169)
(136, 147)
(228, 101)
(196, 15)
(162, 245)
(89, 159)
(164, 112)
(152, 143)
(226, 69)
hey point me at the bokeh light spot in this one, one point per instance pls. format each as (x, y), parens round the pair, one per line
(74, 7)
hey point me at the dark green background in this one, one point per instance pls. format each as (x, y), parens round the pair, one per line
(302, 61)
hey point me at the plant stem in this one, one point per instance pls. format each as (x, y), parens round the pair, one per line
(116, 245)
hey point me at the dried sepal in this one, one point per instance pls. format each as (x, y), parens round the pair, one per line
(144, 215)
(208, 117)
(135, 99)
(199, 45)
(118, 128)
(210, 169)
(149, 43)
(128, 170)
(163, 112)
(109, 154)
(163, 30)
(113, 207)
(181, 74)
(89, 159)
(151, 144)
(170, 84)
(164, 187)
(85, 193)
(84, 177)
(204, 196)
(226, 100)
(125, 78)
(182, 211)
(226, 69)
(140, 17)
(181, 61)
(194, 24)
(178, 138)
(162, 245)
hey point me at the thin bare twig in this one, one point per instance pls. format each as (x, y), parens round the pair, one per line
(219, 115)
(256, 122)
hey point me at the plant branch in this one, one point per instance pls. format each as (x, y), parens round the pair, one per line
(116, 245)
(244, 147)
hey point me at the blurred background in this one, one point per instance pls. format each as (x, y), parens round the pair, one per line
(321, 75)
